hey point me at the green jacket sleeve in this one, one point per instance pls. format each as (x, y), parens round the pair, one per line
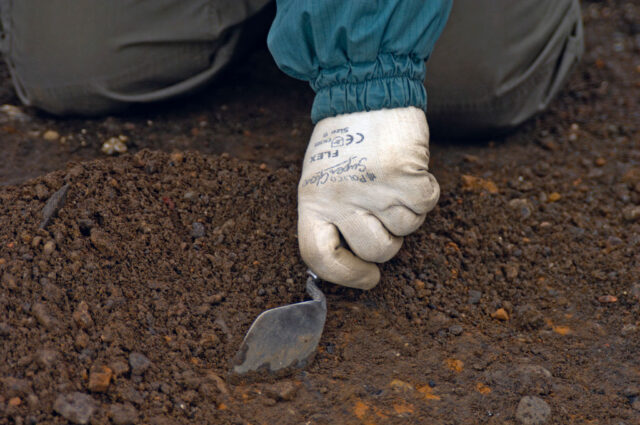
(358, 55)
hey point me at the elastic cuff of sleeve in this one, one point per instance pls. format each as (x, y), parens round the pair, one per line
(388, 82)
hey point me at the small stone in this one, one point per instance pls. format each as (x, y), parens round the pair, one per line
(49, 247)
(511, 271)
(189, 195)
(532, 379)
(607, 299)
(75, 407)
(500, 314)
(13, 113)
(36, 241)
(53, 205)
(523, 206)
(41, 314)
(477, 184)
(132, 395)
(119, 368)
(99, 378)
(631, 213)
(33, 401)
(51, 292)
(600, 162)
(215, 298)
(26, 237)
(5, 329)
(636, 404)
(474, 296)
(114, 145)
(409, 292)
(533, 411)
(398, 385)
(455, 330)
(107, 334)
(47, 358)
(51, 135)
(454, 365)
(554, 197)
(197, 230)
(9, 281)
(81, 341)
(176, 157)
(418, 284)
(81, 316)
(209, 340)
(138, 362)
(41, 191)
(15, 401)
(281, 391)
(528, 317)
(533, 369)
(123, 414)
(99, 240)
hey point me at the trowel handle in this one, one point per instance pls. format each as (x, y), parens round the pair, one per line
(312, 288)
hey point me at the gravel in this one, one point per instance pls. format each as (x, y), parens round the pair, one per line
(197, 230)
(533, 411)
(75, 407)
(139, 363)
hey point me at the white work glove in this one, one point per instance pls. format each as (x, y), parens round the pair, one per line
(365, 177)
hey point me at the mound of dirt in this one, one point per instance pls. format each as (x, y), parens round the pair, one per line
(156, 264)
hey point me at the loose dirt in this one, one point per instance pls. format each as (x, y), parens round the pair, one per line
(519, 296)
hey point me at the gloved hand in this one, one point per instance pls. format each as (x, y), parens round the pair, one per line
(365, 177)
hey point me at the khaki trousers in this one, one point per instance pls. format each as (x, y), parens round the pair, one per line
(498, 62)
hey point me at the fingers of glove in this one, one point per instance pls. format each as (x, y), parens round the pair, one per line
(368, 238)
(419, 193)
(321, 250)
(400, 220)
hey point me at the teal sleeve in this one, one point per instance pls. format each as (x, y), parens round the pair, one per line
(358, 55)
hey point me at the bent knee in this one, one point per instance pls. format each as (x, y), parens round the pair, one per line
(495, 66)
(94, 56)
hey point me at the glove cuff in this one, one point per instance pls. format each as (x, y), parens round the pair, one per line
(389, 82)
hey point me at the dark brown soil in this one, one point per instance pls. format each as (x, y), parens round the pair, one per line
(539, 224)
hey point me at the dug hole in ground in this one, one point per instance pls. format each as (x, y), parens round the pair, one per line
(518, 301)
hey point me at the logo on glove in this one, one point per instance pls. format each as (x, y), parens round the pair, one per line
(351, 170)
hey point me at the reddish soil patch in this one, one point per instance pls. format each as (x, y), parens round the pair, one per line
(123, 299)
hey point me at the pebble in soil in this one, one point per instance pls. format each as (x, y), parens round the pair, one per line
(76, 407)
(533, 410)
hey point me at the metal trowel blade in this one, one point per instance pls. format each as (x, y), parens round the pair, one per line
(284, 337)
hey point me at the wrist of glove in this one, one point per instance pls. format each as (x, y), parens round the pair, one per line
(364, 185)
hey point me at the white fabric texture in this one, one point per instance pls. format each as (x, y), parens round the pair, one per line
(365, 184)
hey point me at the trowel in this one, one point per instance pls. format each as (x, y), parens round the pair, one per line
(284, 338)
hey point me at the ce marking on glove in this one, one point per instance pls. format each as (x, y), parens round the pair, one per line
(341, 140)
